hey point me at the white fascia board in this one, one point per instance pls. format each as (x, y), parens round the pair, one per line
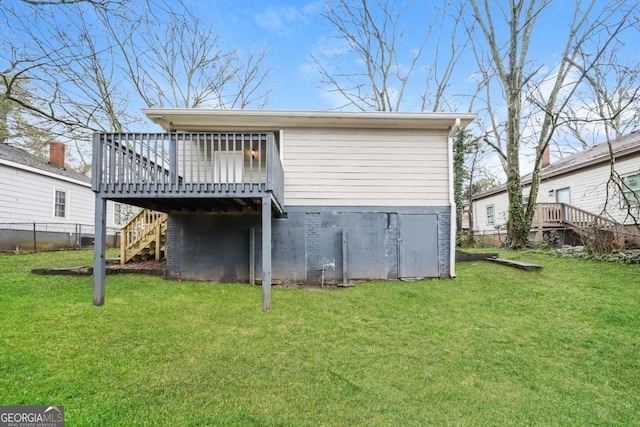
(208, 119)
(42, 172)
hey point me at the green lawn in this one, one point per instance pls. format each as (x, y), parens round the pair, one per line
(496, 346)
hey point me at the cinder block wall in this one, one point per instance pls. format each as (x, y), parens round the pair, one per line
(217, 248)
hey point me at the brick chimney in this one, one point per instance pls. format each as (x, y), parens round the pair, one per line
(56, 154)
(546, 158)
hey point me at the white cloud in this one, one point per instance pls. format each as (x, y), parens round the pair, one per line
(279, 19)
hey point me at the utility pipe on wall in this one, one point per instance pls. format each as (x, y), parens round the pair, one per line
(452, 200)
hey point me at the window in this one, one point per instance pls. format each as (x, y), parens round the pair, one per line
(631, 190)
(491, 219)
(117, 213)
(60, 204)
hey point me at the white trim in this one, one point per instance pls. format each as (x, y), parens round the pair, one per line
(452, 200)
(629, 192)
(67, 197)
(42, 172)
(493, 215)
(281, 146)
(113, 213)
(184, 119)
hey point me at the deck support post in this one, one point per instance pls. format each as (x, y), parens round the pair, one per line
(266, 253)
(344, 257)
(252, 256)
(99, 250)
(540, 220)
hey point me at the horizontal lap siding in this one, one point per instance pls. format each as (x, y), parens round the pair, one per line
(587, 187)
(27, 196)
(500, 205)
(369, 167)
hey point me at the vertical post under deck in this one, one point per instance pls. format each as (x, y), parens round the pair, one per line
(266, 253)
(252, 256)
(344, 256)
(158, 232)
(99, 250)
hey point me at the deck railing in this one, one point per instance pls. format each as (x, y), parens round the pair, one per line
(596, 230)
(210, 164)
(144, 224)
(555, 214)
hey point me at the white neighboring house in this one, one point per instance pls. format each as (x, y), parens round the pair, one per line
(43, 203)
(573, 189)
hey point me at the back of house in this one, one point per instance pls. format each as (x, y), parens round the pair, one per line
(352, 195)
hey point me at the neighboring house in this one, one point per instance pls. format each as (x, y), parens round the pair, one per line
(574, 194)
(43, 203)
(309, 196)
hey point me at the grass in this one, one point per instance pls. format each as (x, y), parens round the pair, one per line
(496, 346)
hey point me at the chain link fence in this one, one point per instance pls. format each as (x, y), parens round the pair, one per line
(42, 236)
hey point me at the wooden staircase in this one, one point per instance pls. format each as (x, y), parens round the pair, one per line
(602, 234)
(144, 237)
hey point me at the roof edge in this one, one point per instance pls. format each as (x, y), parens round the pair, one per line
(177, 118)
(49, 174)
(565, 171)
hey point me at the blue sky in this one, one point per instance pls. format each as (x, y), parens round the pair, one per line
(290, 30)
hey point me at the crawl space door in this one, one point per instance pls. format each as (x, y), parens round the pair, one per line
(418, 246)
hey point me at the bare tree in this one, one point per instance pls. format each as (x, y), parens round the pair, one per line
(87, 66)
(97, 3)
(371, 31)
(449, 48)
(536, 95)
(609, 102)
(177, 60)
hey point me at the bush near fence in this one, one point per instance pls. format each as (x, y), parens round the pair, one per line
(42, 236)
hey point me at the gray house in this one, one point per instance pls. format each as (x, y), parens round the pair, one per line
(43, 205)
(307, 196)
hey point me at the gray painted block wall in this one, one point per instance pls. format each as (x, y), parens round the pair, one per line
(216, 247)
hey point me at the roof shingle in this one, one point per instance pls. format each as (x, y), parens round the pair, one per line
(18, 155)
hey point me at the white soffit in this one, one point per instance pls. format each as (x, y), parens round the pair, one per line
(190, 120)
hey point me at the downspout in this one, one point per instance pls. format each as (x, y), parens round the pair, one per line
(452, 201)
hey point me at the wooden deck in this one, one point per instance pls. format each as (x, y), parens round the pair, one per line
(610, 235)
(178, 172)
(188, 171)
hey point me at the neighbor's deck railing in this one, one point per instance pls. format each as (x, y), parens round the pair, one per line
(585, 223)
(556, 214)
(187, 164)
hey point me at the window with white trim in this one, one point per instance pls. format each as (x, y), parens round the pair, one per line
(60, 203)
(491, 217)
(117, 213)
(631, 190)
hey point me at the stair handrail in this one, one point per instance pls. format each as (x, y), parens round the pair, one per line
(143, 224)
(559, 213)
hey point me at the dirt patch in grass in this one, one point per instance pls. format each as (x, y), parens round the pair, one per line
(151, 268)
(158, 269)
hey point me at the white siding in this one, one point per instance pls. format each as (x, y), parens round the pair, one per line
(365, 167)
(500, 210)
(202, 162)
(29, 197)
(588, 189)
